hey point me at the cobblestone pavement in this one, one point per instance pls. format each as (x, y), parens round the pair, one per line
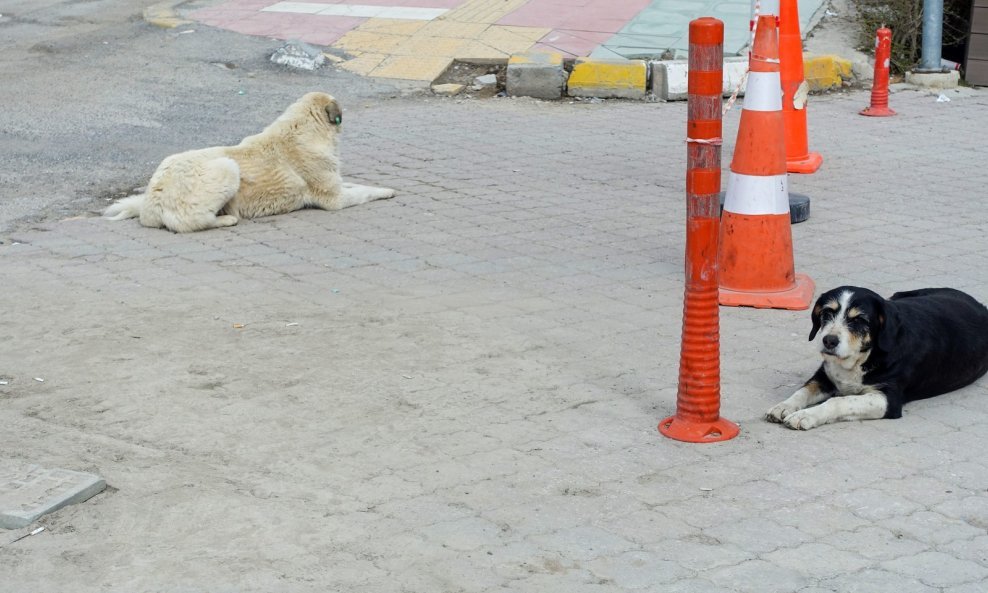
(458, 389)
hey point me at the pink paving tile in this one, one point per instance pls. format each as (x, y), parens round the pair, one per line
(594, 15)
(321, 37)
(244, 4)
(573, 43)
(220, 18)
(411, 3)
(292, 24)
(255, 24)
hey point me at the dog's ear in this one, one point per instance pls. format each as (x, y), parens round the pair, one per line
(886, 326)
(815, 317)
(335, 113)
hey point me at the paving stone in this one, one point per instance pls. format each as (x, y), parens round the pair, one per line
(938, 569)
(819, 561)
(758, 576)
(876, 543)
(932, 527)
(638, 570)
(29, 491)
(876, 581)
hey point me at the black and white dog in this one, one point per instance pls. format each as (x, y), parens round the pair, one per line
(879, 354)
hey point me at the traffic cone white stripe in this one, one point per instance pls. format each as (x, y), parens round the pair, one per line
(757, 194)
(763, 92)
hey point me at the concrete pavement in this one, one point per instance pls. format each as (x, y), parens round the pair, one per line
(458, 389)
(419, 39)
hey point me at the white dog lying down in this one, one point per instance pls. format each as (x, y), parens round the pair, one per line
(294, 163)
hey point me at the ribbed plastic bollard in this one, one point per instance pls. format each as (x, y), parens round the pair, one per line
(880, 87)
(697, 418)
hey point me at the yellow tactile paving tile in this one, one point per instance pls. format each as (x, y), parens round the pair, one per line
(483, 11)
(423, 50)
(475, 50)
(367, 41)
(364, 64)
(394, 26)
(511, 39)
(426, 68)
(447, 28)
(429, 46)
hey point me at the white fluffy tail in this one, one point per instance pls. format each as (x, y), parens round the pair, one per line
(129, 207)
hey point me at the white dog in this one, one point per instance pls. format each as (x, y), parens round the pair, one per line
(294, 163)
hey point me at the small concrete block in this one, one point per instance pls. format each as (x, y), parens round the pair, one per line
(934, 80)
(297, 54)
(823, 73)
(536, 74)
(447, 89)
(624, 79)
(29, 491)
(485, 81)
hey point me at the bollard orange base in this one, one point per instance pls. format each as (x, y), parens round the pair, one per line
(877, 111)
(691, 431)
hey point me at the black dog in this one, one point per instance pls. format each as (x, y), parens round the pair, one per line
(879, 354)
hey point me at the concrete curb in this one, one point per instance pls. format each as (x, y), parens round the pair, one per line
(828, 72)
(670, 78)
(664, 80)
(165, 15)
(623, 79)
(536, 74)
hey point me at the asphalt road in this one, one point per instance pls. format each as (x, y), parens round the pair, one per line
(93, 98)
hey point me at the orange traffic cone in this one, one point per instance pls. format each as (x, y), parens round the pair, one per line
(799, 159)
(756, 262)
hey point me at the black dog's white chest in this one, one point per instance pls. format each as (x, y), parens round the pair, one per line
(846, 381)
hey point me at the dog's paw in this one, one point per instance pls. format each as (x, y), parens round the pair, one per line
(801, 420)
(387, 193)
(778, 412)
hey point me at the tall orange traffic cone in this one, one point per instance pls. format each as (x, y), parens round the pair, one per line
(799, 159)
(756, 262)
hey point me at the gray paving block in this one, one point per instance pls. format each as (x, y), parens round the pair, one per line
(28, 491)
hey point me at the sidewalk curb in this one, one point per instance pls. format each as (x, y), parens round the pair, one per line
(623, 79)
(663, 80)
(165, 15)
(826, 72)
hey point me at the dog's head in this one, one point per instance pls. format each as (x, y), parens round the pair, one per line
(850, 322)
(323, 107)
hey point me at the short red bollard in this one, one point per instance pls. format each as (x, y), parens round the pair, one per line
(880, 88)
(697, 418)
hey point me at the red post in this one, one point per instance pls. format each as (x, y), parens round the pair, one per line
(880, 87)
(697, 418)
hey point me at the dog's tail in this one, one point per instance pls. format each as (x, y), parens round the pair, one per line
(129, 207)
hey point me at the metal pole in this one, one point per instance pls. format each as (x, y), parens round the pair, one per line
(932, 36)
